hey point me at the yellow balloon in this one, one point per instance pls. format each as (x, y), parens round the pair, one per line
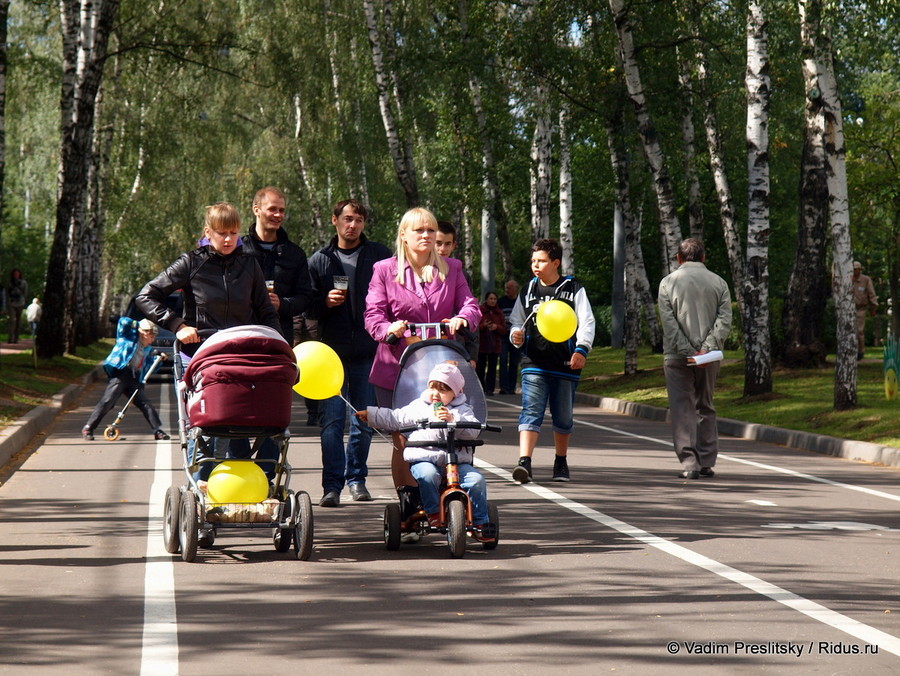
(556, 321)
(237, 481)
(321, 370)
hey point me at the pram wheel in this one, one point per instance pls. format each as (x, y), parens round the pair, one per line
(392, 526)
(187, 531)
(303, 531)
(170, 519)
(111, 433)
(494, 518)
(283, 537)
(456, 528)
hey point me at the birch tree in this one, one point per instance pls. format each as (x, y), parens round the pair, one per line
(804, 302)
(391, 108)
(757, 348)
(4, 51)
(565, 192)
(86, 29)
(540, 165)
(665, 198)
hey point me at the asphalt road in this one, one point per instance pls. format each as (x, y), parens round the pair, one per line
(786, 560)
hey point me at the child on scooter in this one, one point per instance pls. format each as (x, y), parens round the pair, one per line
(444, 400)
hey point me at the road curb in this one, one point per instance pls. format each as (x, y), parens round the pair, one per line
(21, 432)
(818, 443)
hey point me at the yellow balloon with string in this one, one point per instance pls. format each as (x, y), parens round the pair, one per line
(556, 321)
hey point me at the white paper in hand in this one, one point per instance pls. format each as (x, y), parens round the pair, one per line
(698, 359)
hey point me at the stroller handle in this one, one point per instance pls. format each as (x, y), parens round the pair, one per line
(441, 425)
(439, 328)
(177, 346)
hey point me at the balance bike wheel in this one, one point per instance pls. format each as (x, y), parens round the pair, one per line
(392, 526)
(111, 433)
(456, 529)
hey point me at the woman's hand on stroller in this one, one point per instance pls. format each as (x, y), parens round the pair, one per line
(187, 334)
(455, 324)
(395, 332)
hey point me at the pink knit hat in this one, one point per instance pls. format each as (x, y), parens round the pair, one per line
(448, 374)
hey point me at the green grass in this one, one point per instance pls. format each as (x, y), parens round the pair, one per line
(801, 398)
(23, 387)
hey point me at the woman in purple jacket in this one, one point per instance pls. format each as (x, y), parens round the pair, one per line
(414, 286)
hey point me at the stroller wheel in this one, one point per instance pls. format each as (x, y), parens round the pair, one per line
(392, 526)
(190, 522)
(111, 433)
(171, 514)
(456, 529)
(303, 532)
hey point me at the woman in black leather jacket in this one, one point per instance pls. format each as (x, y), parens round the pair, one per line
(221, 287)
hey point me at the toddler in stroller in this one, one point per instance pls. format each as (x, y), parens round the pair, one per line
(443, 425)
(237, 387)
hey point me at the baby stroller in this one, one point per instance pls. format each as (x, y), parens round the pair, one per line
(408, 516)
(238, 385)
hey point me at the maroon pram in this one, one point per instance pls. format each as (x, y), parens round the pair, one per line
(237, 388)
(241, 377)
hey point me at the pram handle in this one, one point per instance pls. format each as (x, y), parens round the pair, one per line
(177, 346)
(441, 327)
(441, 425)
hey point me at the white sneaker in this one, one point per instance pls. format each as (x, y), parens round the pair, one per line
(409, 538)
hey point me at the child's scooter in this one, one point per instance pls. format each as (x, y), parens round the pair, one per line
(111, 433)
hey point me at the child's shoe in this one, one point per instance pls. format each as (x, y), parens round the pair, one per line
(522, 472)
(486, 532)
(87, 434)
(434, 520)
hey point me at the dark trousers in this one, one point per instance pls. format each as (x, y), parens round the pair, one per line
(695, 435)
(123, 380)
(510, 356)
(487, 371)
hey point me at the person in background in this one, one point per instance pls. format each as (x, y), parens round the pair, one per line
(416, 285)
(33, 315)
(340, 273)
(866, 302)
(126, 367)
(307, 329)
(550, 371)
(445, 243)
(16, 295)
(491, 334)
(695, 309)
(509, 356)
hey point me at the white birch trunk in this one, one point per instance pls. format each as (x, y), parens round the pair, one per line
(402, 167)
(845, 394)
(318, 222)
(723, 187)
(565, 193)
(757, 348)
(688, 143)
(540, 167)
(670, 230)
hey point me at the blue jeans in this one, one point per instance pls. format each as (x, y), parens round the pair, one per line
(428, 475)
(537, 390)
(340, 465)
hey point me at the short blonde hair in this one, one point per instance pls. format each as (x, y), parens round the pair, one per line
(222, 216)
(411, 219)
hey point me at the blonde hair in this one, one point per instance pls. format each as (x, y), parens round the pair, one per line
(222, 216)
(411, 219)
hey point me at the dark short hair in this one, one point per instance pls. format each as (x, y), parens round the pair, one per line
(551, 246)
(353, 204)
(691, 250)
(447, 228)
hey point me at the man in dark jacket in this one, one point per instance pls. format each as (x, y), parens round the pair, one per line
(340, 274)
(282, 261)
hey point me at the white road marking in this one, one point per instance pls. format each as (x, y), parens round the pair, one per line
(159, 648)
(811, 609)
(762, 503)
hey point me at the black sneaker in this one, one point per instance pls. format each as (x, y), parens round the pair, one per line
(522, 472)
(159, 435)
(707, 472)
(560, 468)
(87, 434)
